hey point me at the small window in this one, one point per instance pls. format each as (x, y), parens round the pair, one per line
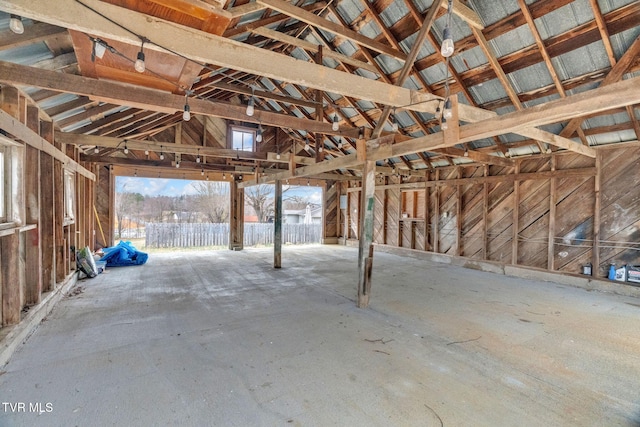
(69, 196)
(11, 176)
(242, 138)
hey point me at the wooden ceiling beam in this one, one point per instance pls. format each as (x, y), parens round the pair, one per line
(219, 51)
(465, 13)
(152, 99)
(616, 73)
(269, 20)
(339, 30)
(261, 94)
(626, 92)
(411, 57)
(173, 148)
(35, 33)
(310, 47)
(604, 32)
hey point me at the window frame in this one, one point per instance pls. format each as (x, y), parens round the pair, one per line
(244, 129)
(12, 183)
(69, 186)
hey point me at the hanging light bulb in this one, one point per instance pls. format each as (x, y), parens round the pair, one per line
(447, 113)
(126, 149)
(224, 175)
(186, 114)
(250, 107)
(198, 156)
(340, 143)
(146, 152)
(306, 144)
(259, 134)
(278, 156)
(447, 44)
(135, 173)
(96, 149)
(161, 155)
(202, 172)
(394, 122)
(444, 125)
(16, 25)
(178, 165)
(321, 148)
(139, 65)
(466, 152)
(335, 125)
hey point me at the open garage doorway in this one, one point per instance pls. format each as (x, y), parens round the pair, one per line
(301, 217)
(172, 213)
(163, 213)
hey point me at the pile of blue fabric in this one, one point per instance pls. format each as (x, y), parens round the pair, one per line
(123, 255)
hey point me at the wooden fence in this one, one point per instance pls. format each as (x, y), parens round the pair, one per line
(161, 235)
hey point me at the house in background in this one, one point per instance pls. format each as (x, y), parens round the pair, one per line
(309, 215)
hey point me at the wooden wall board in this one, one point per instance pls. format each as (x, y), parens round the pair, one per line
(393, 216)
(473, 213)
(354, 209)
(574, 225)
(379, 217)
(331, 210)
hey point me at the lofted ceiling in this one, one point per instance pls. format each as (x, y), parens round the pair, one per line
(526, 78)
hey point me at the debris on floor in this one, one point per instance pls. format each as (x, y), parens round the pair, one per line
(122, 255)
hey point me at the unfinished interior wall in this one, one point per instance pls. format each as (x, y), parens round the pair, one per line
(49, 196)
(558, 212)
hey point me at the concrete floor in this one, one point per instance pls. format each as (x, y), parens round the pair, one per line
(221, 338)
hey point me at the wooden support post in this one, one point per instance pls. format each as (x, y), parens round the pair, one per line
(236, 217)
(553, 198)
(436, 216)
(319, 112)
(277, 226)
(58, 214)
(425, 224)
(47, 222)
(485, 216)
(597, 204)
(516, 217)
(9, 258)
(365, 254)
(459, 216)
(33, 249)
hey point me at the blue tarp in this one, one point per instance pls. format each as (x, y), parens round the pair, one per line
(123, 255)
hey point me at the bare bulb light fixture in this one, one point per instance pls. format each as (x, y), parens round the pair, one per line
(96, 150)
(447, 113)
(139, 64)
(306, 144)
(447, 48)
(335, 125)
(186, 114)
(161, 153)
(126, 149)
(444, 125)
(16, 25)
(251, 107)
(259, 134)
(340, 144)
(394, 122)
(198, 156)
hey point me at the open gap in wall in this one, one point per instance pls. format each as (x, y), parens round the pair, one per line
(172, 213)
(301, 217)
